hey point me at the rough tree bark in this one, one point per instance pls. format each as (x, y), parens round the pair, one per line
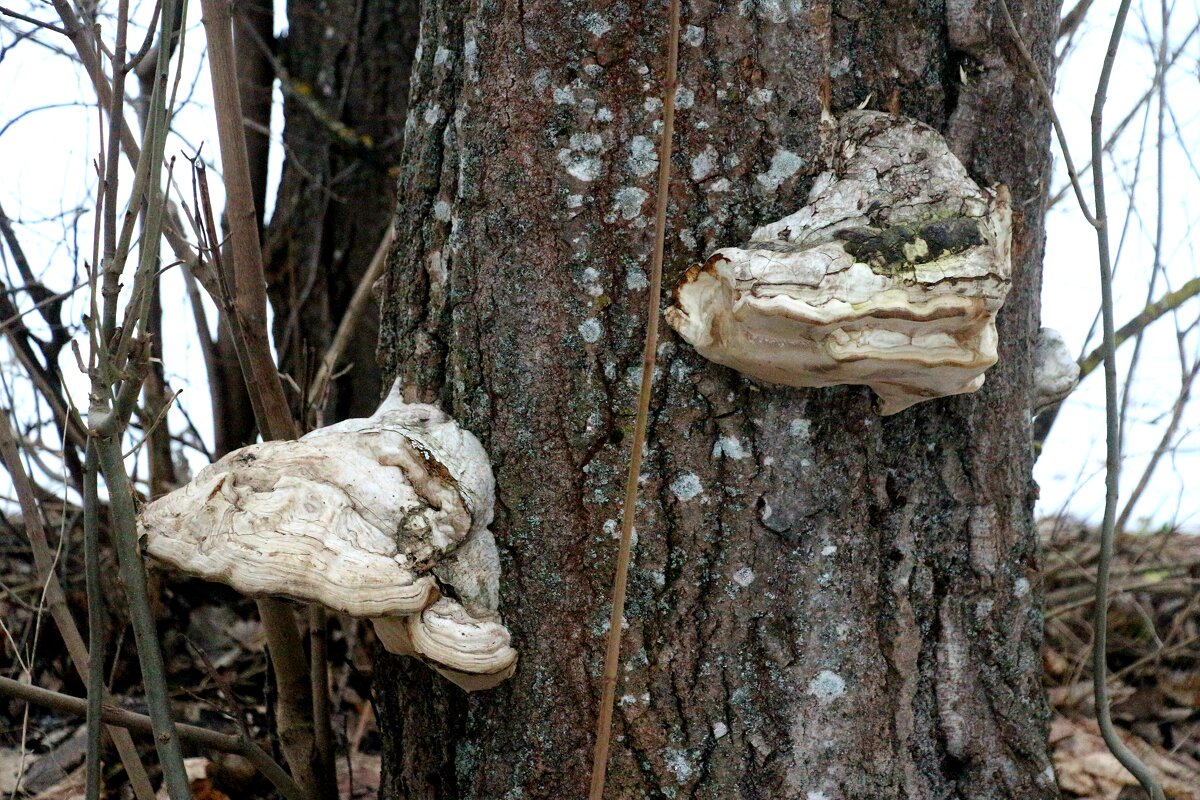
(824, 603)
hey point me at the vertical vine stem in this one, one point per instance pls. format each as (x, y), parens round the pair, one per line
(95, 607)
(612, 656)
(1112, 415)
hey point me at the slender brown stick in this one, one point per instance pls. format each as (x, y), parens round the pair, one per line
(1112, 413)
(132, 721)
(1044, 90)
(95, 602)
(612, 656)
(318, 670)
(249, 288)
(295, 707)
(354, 312)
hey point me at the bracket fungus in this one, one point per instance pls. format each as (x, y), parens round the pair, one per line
(385, 518)
(1055, 370)
(890, 276)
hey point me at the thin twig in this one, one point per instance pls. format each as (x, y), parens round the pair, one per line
(95, 596)
(248, 320)
(350, 320)
(56, 600)
(1048, 100)
(8, 12)
(129, 720)
(1113, 455)
(612, 655)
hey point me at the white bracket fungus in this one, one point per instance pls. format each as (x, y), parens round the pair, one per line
(385, 517)
(890, 276)
(1055, 370)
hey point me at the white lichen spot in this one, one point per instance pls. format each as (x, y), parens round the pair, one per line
(704, 164)
(441, 211)
(719, 729)
(643, 158)
(829, 550)
(827, 686)
(684, 97)
(800, 427)
(574, 201)
(541, 80)
(628, 201)
(652, 105)
(688, 238)
(693, 36)
(579, 166)
(636, 280)
(687, 486)
(578, 158)
(591, 282)
(442, 56)
(729, 447)
(743, 577)
(604, 114)
(784, 164)
(591, 330)
(679, 765)
(1021, 587)
(760, 97)
(563, 96)
(470, 51)
(776, 11)
(815, 795)
(628, 700)
(433, 114)
(595, 24)
(719, 185)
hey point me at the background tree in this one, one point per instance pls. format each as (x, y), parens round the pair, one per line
(823, 603)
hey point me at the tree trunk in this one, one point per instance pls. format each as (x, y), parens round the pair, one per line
(823, 603)
(346, 91)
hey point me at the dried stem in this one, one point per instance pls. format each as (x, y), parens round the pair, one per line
(1113, 457)
(295, 707)
(354, 312)
(1044, 90)
(95, 677)
(43, 560)
(133, 575)
(612, 655)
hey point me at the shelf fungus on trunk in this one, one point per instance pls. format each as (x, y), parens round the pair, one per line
(890, 276)
(1055, 370)
(385, 518)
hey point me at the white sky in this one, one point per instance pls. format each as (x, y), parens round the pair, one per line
(45, 171)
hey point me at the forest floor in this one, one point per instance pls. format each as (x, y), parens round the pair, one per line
(217, 665)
